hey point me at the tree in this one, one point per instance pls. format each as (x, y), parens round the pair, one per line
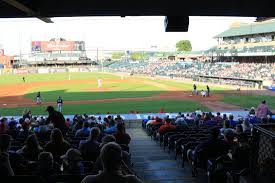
(117, 55)
(184, 45)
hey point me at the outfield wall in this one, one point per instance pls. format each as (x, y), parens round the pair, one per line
(43, 70)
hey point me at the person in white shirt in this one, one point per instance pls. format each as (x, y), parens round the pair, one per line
(99, 83)
(203, 93)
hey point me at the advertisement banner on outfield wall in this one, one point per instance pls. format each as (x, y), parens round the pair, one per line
(73, 69)
(43, 70)
(7, 71)
(33, 71)
(21, 71)
(84, 69)
(55, 70)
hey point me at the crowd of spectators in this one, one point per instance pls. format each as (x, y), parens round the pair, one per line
(51, 146)
(193, 69)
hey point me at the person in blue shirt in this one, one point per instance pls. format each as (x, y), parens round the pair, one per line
(112, 128)
(233, 123)
(84, 131)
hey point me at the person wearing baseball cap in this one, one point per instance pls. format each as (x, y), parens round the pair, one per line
(72, 162)
(57, 119)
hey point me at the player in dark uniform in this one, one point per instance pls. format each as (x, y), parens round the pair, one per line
(195, 89)
(23, 79)
(208, 90)
(59, 104)
(38, 98)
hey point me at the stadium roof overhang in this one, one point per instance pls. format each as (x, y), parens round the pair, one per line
(69, 8)
(177, 12)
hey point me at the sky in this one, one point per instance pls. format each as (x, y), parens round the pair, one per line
(112, 33)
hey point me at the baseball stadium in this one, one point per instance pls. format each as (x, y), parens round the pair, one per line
(70, 114)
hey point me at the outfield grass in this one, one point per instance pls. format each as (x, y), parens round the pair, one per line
(15, 79)
(76, 91)
(115, 107)
(249, 101)
(189, 86)
(73, 92)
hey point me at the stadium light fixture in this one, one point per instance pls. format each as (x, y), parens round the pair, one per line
(27, 10)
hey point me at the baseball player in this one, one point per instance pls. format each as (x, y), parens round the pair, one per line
(195, 89)
(38, 98)
(99, 83)
(59, 104)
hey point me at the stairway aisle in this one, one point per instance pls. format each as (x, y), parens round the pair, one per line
(153, 165)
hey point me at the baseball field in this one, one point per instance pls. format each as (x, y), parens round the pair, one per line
(118, 94)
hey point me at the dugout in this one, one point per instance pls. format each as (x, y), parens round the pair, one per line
(254, 83)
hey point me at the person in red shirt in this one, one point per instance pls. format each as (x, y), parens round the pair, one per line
(166, 127)
(158, 121)
(121, 136)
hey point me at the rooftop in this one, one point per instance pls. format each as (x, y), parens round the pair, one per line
(241, 29)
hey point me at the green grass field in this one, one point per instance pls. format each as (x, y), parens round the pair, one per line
(83, 87)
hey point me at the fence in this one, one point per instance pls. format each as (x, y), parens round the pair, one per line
(48, 70)
(263, 158)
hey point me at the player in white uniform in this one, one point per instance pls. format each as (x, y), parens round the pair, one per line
(99, 83)
(203, 93)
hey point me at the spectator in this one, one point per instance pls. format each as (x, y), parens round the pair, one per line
(111, 159)
(68, 122)
(262, 110)
(181, 122)
(90, 148)
(233, 123)
(84, 131)
(47, 167)
(166, 127)
(239, 129)
(27, 114)
(3, 126)
(211, 148)
(218, 118)
(121, 136)
(252, 111)
(31, 149)
(56, 118)
(72, 162)
(229, 137)
(247, 127)
(25, 132)
(5, 165)
(125, 155)
(57, 145)
(112, 127)
(12, 131)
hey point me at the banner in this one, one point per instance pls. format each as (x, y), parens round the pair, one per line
(45, 46)
(43, 71)
(33, 71)
(73, 69)
(21, 71)
(55, 70)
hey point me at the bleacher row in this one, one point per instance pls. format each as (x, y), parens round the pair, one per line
(207, 152)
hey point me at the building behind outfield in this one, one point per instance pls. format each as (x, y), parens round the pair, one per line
(56, 51)
(244, 42)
